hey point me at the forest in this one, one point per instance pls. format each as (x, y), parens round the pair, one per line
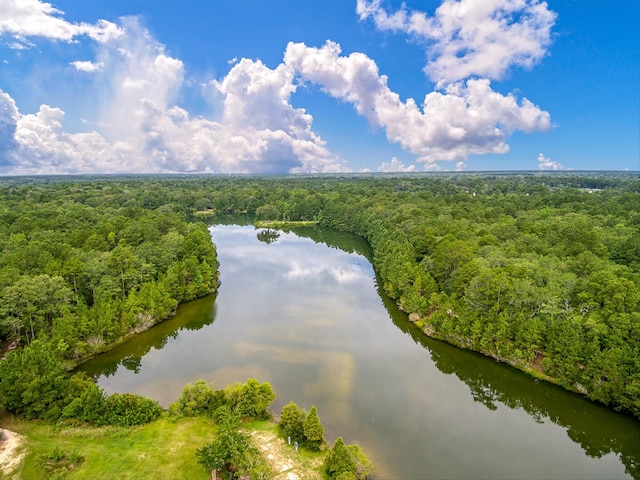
(540, 271)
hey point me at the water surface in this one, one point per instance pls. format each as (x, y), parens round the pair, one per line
(304, 313)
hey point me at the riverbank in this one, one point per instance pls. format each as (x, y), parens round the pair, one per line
(535, 369)
(71, 366)
(283, 223)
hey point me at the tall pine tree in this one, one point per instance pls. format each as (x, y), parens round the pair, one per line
(313, 429)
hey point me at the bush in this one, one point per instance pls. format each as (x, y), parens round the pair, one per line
(251, 399)
(59, 463)
(88, 402)
(197, 399)
(127, 409)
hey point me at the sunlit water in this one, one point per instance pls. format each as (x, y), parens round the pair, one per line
(308, 318)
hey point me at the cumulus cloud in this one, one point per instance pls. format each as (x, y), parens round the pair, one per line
(38, 145)
(472, 38)
(8, 123)
(467, 117)
(395, 165)
(259, 131)
(88, 66)
(253, 126)
(22, 19)
(432, 167)
(545, 163)
(140, 128)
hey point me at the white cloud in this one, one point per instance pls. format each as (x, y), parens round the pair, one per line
(467, 117)
(545, 163)
(42, 146)
(472, 38)
(395, 165)
(139, 126)
(8, 120)
(22, 19)
(432, 167)
(140, 129)
(22, 45)
(339, 274)
(87, 66)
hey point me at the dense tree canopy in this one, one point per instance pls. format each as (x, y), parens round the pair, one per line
(84, 273)
(541, 271)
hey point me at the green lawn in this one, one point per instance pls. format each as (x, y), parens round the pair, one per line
(161, 449)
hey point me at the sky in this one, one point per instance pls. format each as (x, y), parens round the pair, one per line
(318, 86)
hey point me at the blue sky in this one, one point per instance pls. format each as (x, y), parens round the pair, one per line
(318, 86)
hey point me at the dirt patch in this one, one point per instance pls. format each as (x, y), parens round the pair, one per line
(283, 459)
(10, 453)
(537, 361)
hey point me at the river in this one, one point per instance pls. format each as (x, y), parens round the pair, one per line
(303, 312)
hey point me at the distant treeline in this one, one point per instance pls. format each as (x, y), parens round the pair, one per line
(541, 271)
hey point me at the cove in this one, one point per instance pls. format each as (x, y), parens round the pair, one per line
(303, 311)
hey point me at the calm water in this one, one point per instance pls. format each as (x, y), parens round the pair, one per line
(303, 312)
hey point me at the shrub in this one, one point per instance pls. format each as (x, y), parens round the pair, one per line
(87, 403)
(127, 409)
(197, 399)
(251, 399)
(59, 463)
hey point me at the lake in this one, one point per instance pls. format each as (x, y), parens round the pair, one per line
(304, 312)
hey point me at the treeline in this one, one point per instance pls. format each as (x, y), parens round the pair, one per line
(540, 271)
(83, 274)
(546, 279)
(35, 384)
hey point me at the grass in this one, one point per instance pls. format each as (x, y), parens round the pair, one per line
(161, 449)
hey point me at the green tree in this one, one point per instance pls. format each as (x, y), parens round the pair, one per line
(250, 399)
(363, 466)
(230, 448)
(87, 401)
(33, 382)
(292, 422)
(338, 460)
(267, 212)
(73, 267)
(313, 429)
(197, 399)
